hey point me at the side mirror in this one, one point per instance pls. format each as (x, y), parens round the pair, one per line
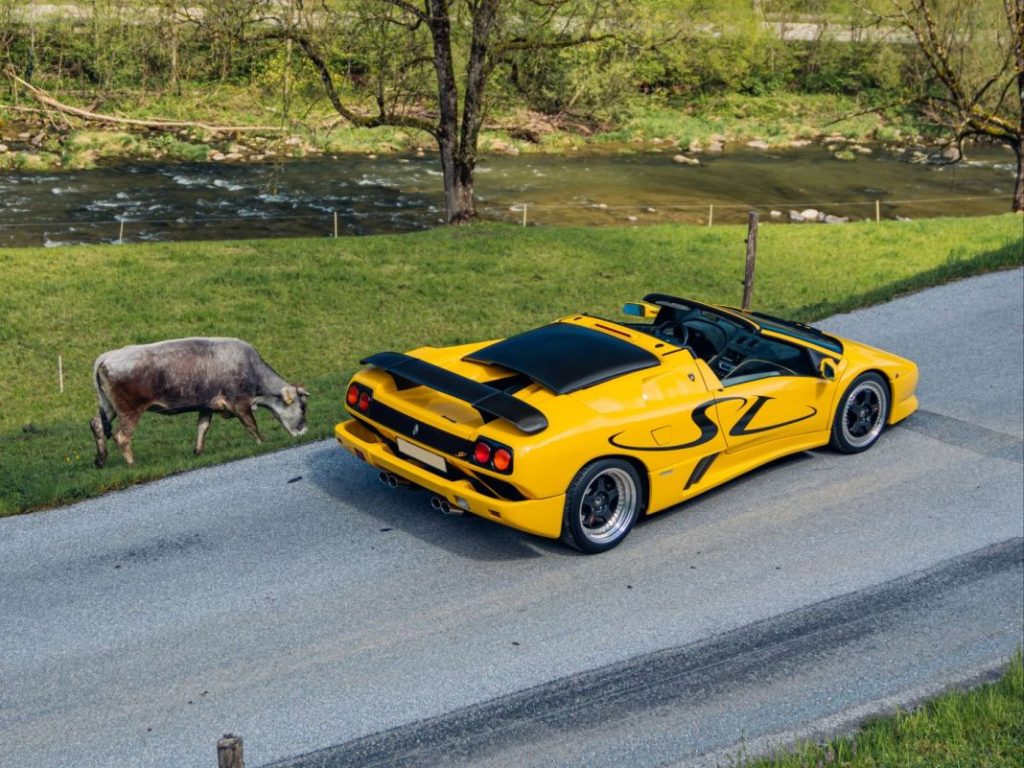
(639, 309)
(827, 369)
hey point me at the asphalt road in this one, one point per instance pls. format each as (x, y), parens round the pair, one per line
(329, 620)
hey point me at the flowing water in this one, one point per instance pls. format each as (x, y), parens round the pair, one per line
(395, 193)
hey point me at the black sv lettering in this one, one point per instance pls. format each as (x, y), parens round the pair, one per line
(708, 428)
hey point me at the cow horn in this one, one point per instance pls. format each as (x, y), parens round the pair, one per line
(302, 391)
(288, 395)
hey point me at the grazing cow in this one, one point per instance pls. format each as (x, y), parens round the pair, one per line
(208, 375)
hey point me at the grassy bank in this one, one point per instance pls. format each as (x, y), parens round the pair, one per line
(710, 122)
(982, 728)
(315, 307)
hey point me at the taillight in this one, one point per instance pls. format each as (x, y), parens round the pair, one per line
(491, 455)
(482, 453)
(502, 459)
(359, 396)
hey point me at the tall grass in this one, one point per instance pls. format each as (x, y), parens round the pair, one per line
(315, 307)
(982, 728)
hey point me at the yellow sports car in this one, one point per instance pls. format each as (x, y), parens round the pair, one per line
(577, 428)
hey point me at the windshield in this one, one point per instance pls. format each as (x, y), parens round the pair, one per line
(799, 331)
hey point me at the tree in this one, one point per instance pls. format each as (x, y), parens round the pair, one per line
(972, 58)
(417, 53)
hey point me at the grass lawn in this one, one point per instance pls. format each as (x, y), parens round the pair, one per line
(315, 307)
(982, 728)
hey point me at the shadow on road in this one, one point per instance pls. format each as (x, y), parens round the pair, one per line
(355, 484)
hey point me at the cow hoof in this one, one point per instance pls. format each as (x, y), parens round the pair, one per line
(100, 462)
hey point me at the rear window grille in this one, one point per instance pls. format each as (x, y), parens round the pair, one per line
(438, 439)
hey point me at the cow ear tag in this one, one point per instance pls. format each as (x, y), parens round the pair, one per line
(288, 395)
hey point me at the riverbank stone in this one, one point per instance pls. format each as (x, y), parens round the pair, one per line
(684, 160)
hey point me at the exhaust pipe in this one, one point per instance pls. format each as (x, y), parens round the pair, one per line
(392, 480)
(444, 507)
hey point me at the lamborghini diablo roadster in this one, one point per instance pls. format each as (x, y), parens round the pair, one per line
(577, 428)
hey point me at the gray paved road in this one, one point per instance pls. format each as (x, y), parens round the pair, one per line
(311, 612)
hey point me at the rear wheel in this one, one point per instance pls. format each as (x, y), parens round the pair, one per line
(601, 505)
(861, 414)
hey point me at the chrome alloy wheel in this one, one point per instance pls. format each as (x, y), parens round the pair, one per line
(608, 505)
(864, 413)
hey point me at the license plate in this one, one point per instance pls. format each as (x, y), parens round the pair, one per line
(428, 458)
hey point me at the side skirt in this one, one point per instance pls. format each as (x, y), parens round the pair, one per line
(714, 469)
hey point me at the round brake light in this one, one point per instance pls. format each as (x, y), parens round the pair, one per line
(352, 396)
(364, 402)
(482, 453)
(502, 459)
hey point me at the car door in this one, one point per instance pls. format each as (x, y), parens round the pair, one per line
(774, 395)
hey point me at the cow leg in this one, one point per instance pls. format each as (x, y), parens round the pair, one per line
(123, 435)
(101, 427)
(205, 419)
(101, 441)
(245, 416)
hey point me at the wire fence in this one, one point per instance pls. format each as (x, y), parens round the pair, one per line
(126, 228)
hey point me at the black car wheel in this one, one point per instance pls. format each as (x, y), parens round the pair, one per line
(861, 414)
(601, 505)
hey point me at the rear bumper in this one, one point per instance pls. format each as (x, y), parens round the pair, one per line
(542, 517)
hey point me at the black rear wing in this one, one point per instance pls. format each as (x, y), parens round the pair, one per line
(485, 398)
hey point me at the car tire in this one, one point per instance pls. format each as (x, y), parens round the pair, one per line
(602, 504)
(861, 414)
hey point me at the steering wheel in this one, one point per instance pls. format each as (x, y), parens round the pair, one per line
(673, 331)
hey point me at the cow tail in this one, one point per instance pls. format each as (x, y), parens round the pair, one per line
(106, 407)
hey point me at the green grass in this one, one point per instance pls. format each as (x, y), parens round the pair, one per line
(315, 307)
(982, 728)
(776, 119)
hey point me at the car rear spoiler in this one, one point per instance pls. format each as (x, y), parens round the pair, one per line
(485, 398)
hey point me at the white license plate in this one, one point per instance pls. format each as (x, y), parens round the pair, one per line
(428, 458)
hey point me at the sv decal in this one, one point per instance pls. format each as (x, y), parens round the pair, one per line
(740, 428)
(708, 428)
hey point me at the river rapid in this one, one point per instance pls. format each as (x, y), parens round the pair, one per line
(362, 195)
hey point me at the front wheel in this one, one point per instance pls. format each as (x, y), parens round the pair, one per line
(861, 414)
(601, 505)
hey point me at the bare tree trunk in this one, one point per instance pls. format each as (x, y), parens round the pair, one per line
(173, 23)
(1018, 190)
(472, 110)
(457, 202)
(1015, 16)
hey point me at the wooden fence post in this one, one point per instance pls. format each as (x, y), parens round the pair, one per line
(229, 752)
(748, 273)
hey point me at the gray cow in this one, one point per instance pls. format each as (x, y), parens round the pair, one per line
(208, 375)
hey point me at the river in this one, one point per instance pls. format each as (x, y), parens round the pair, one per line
(153, 201)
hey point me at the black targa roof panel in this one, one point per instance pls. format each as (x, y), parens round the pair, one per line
(565, 357)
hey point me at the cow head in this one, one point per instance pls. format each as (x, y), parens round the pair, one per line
(292, 409)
